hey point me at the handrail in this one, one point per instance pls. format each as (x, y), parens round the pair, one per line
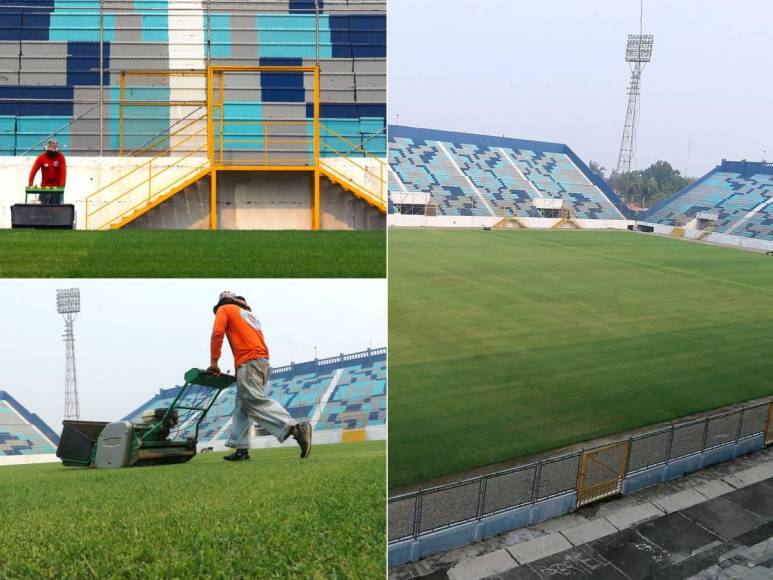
(382, 181)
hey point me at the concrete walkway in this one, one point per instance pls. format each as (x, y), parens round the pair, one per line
(716, 523)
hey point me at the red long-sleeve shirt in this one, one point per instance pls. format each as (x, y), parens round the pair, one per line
(53, 170)
(243, 332)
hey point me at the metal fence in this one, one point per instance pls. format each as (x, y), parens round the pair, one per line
(593, 473)
(70, 71)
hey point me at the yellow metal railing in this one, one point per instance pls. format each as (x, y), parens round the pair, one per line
(376, 192)
(268, 149)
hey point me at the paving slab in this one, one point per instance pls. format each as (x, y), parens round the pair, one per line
(678, 501)
(757, 498)
(715, 488)
(677, 535)
(483, 566)
(725, 518)
(589, 531)
(519, 573)
(627, 517)
(539, 548)
(580, 563)
(750, 475)
(630, 553)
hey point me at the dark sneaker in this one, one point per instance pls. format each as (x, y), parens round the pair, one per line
(301, 432)
(238, 455)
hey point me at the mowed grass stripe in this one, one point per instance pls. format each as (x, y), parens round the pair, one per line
(504, 344)
(192, 254)
(273, 516)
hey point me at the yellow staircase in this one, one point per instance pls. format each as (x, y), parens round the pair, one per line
(370, 183)
(566, 220)
(149, 184)
(509, 222)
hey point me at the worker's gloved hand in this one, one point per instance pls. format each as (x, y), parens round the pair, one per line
(214, 369)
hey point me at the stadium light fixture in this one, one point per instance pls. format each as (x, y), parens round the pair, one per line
(639, 48)
(68, 301)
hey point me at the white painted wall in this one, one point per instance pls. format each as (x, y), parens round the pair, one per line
(28, 459)
(444, 221)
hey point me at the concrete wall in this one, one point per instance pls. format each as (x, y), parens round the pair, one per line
(715, 238)
(340, 210)
(188, 209)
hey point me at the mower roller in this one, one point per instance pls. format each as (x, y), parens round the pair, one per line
(162, 436)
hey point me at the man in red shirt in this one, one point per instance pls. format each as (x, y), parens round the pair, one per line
(53, 169)
(234, 319)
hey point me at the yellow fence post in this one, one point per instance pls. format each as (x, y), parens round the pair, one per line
(213, 200)
(315, 210)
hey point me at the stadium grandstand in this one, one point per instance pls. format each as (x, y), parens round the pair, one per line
(199, 113)
(731, 204)
(22, 432)
(447, 179)
(340, 394)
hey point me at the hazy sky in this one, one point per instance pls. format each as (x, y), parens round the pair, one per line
(555, 71)
(136, 336)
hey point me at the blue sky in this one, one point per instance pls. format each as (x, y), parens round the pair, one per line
(136, 336)
(555, 71)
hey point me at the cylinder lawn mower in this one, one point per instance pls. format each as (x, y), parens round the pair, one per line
(163, 435)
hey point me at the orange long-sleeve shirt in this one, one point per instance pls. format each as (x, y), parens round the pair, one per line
(243, 332)
(53, 170)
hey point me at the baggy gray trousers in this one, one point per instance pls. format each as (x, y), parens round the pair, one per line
(253, 405)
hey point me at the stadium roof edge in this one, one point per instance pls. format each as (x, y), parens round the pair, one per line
(745, 167)
(32, 418)
(425, 134)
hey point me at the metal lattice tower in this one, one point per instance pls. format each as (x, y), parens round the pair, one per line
(68, 304)
(638, 53)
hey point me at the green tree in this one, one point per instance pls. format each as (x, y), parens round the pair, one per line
(598, 169)
(647, 187)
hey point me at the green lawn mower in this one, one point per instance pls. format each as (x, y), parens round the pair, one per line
(161, 436)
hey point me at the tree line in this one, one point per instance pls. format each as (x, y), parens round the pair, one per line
(644, 188)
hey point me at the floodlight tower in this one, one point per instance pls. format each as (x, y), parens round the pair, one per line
(68, 304)
(638, 52)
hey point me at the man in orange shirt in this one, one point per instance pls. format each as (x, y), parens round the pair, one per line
(234, 319)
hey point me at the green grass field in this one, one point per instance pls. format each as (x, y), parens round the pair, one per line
(274, 516)
(192, 254)
(504, 344)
